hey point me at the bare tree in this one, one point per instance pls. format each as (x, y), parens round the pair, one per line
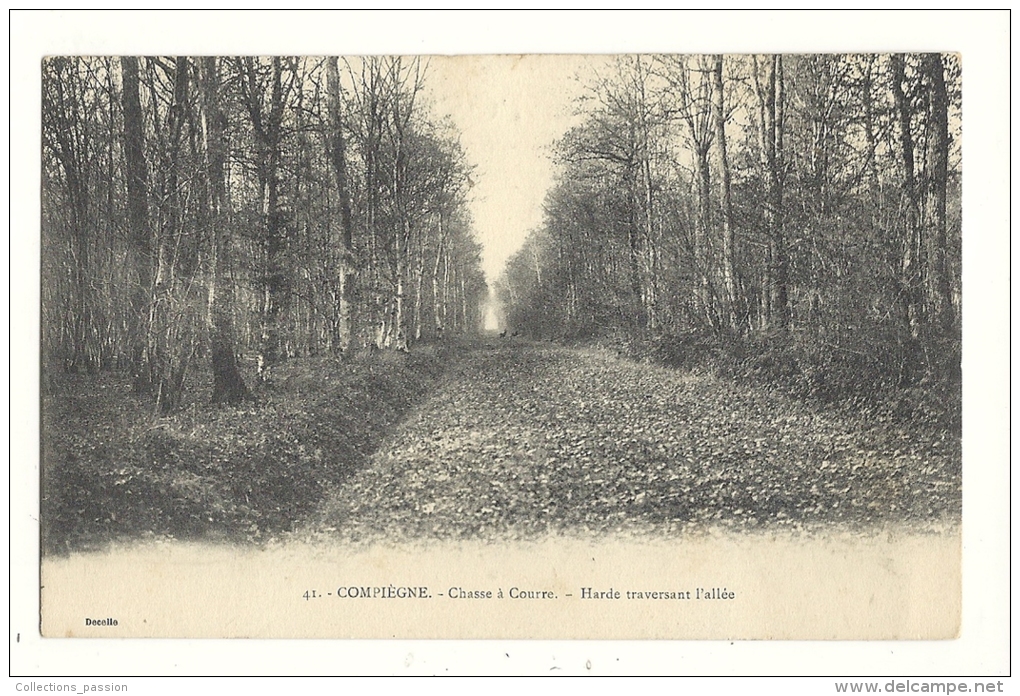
(342, 321)
(769, 88)
(228, 385)
(728, 270)
(140, 234)
(913, 239)
(267, 122)
(937, 167)
(692, 83)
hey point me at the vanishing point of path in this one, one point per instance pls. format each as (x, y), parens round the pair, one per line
(521, 439)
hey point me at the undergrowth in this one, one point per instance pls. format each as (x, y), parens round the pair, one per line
(882, 376)
(114, 469)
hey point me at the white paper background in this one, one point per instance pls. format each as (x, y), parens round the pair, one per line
(982, 38)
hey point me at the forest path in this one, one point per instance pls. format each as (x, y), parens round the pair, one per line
(522, 439)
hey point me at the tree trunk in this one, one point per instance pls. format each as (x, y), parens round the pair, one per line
(403, 241)
(634, 258)
(452, 298)
(275, 276)
(69, 133)
(870, 139)
(436, 309)
(940, 290)
(339, 161)
(650, 295)
(136, 171)
(704, 227)
(648, 279)
(464, 304)
(775, 295)
(729, 287)
(781, 303)
(446, 291)
(910, 268)
(419, 278)
(228, 385)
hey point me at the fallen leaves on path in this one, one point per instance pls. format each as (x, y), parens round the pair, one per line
(523, 439)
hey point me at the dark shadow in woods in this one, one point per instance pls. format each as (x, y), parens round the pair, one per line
(113, 470)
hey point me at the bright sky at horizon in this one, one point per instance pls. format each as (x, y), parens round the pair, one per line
(509, 111)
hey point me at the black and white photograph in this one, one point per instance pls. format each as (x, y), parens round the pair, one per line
(398, 345)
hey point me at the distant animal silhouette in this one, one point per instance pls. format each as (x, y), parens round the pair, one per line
(502, 334)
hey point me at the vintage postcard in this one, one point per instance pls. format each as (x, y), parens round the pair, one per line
(634, 346)
(581, 346)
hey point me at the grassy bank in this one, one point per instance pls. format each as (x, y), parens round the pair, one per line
(883, 377)
(114, 470)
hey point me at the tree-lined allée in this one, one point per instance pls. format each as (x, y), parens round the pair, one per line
(198, 212)
(261, 281)
(797, 213)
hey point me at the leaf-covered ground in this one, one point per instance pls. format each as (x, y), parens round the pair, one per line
(115, 471)
(522, 439)
(496, 439)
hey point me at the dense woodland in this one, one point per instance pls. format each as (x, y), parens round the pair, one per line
(201, 211)
(797, 216)
(206, 213)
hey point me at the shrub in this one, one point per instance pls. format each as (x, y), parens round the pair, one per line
(876, 369)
